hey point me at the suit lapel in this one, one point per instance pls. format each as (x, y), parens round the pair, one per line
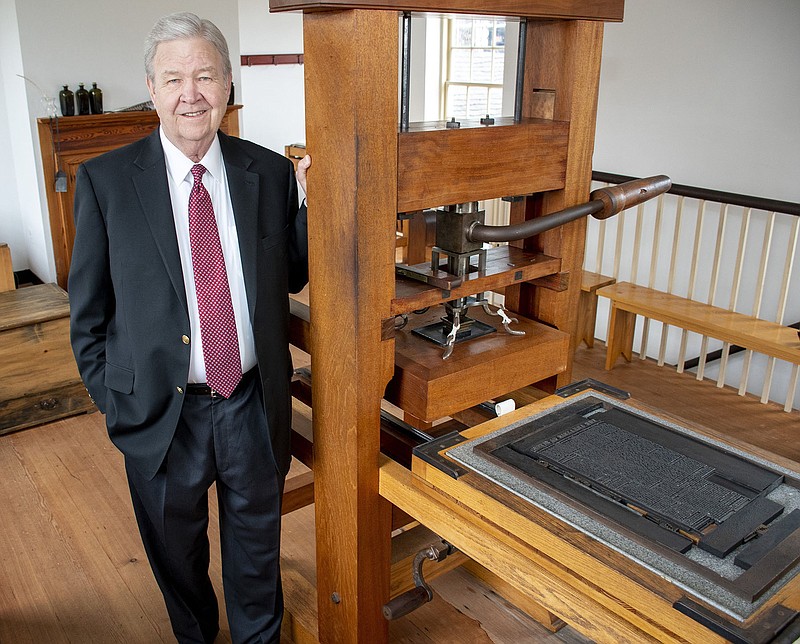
(153, 191)
(243, 187)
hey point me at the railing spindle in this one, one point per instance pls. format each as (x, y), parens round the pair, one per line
(744, 230)
(676, 236)
(653, 266)
(757, 301)
(637, 242)
(698, 234)
(712, 285)
(789, 404)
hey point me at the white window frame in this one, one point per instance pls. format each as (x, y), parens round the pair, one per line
(447, 50)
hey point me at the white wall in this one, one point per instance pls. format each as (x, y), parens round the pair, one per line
(66, 43)
(16, 217)
(707, 92)
(272, 95)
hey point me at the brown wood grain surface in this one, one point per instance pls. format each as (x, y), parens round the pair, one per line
(32, 304)
(352, 137)
(446, 166)
(73, 567)
(6, 269)
(39, 379)
(528, 569)
(760, 335)
(431, 388)
(505, 266)
(590, 9)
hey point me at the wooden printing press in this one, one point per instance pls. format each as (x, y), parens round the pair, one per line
(368, 348)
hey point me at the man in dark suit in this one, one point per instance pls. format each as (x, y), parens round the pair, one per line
(187, 245)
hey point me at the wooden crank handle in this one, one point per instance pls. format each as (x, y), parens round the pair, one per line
(631, 193)
(404, 603)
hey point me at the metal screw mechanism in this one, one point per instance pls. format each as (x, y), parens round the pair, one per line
(335, 598)
(452, 124)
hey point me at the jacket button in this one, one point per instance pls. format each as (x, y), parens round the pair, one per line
(180, 389)
(185, 339)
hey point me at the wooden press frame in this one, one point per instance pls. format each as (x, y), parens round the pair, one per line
(364, 173)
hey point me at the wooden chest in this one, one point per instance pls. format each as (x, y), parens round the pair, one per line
(39, 380)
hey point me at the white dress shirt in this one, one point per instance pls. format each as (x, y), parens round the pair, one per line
(216, 182)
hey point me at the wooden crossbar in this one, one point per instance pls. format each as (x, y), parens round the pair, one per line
(629, 300)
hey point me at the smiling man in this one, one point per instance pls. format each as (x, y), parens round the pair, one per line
(187, 245)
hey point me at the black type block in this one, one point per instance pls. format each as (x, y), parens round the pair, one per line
(765, 543)
(741, 525)
(608, 508)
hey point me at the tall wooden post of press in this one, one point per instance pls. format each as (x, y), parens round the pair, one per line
(562, 57)
(351, 129)
(351, 80)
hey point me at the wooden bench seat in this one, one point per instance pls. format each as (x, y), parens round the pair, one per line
(629, 300)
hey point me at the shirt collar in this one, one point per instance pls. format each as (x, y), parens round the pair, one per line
(179, 166)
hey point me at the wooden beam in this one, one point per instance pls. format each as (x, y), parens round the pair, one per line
(589, 9)
(352, 137)
(298, 492)
(483, 162)
(563, 56)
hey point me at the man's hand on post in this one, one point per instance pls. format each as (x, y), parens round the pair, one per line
(302, 170)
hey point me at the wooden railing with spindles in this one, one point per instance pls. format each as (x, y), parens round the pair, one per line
(727, 252)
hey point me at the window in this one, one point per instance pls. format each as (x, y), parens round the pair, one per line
(475, 55)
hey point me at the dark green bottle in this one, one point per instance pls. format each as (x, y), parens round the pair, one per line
(96, 99)
(67, 99)
(82, 99)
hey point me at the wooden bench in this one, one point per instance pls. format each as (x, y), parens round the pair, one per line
(587, 304)
(629, 300)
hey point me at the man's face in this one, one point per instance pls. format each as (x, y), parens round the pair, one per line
(190, 93)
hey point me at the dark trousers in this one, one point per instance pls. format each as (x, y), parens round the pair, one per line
(226, 441)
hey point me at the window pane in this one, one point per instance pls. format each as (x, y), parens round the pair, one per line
(500, 34)
(456, 102)
(477, 102)
(462, 33)
(498, 62)
(495, 101)
(459, 65)
(483, 33)
(482, 66)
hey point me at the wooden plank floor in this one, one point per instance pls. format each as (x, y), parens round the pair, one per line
(72, 568)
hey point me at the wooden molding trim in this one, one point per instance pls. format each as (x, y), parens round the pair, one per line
(248, 60)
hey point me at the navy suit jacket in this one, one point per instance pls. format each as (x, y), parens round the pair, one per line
(127, 298)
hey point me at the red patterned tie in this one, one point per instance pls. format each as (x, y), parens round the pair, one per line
(217, 323)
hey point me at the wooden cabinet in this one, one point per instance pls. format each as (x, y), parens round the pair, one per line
(67, 142)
